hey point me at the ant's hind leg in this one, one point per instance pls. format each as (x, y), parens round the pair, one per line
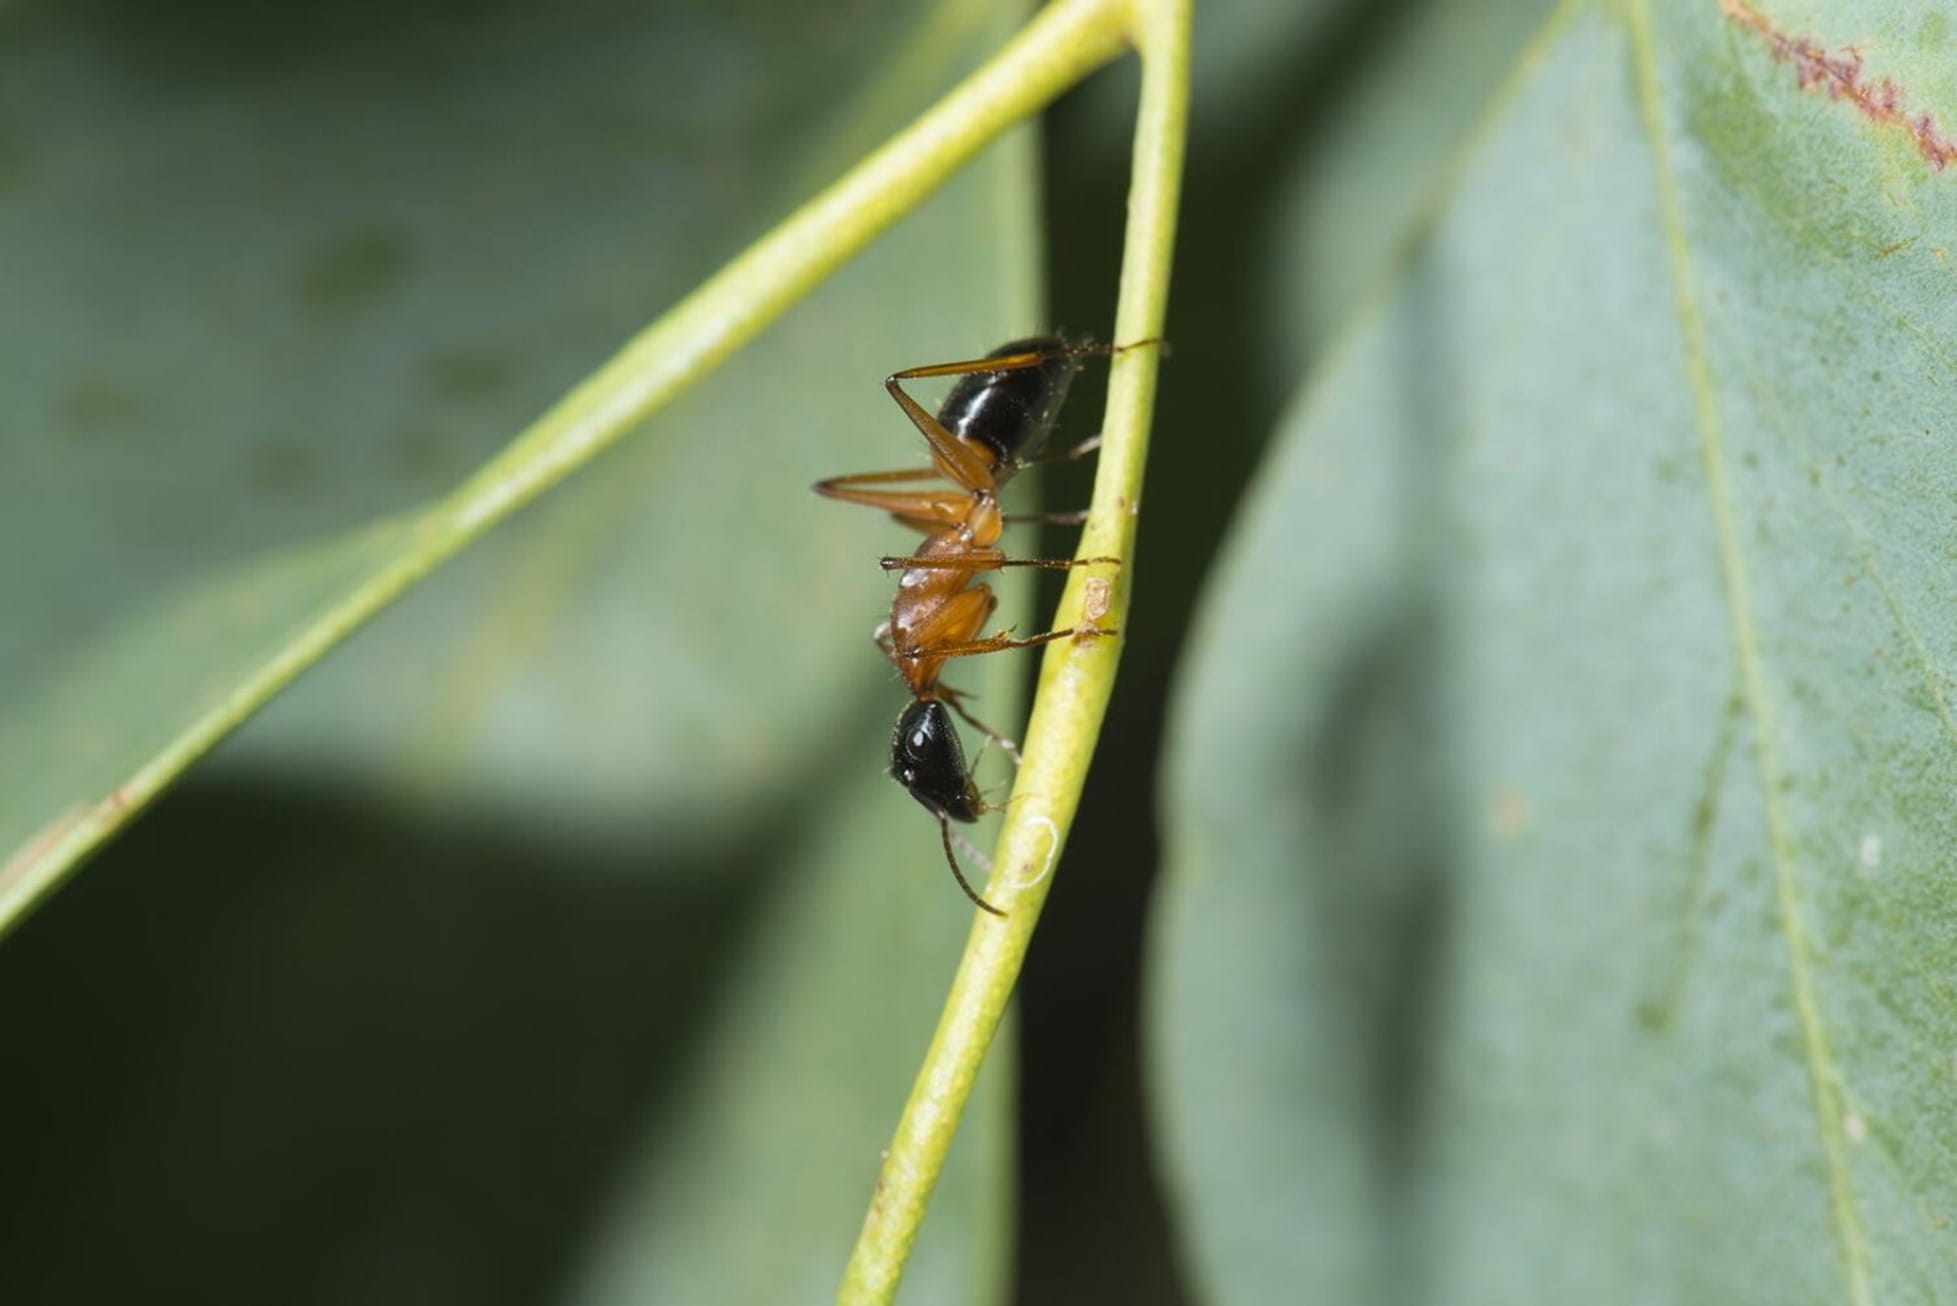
(989, 560)
(1075, 518)
(1075, 454)
(924, 509)
(959, 459)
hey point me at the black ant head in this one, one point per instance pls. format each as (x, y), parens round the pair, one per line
(927, 759)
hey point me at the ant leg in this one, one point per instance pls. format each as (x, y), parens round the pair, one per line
(825, 485)
(1075, 454)
(1061, 564)
(963, 461)
(952, 698)
(885, 641)
(990, 560)
(1028, 358)
(998, 363)
(998, 643)
(927, 510)
(1077, 518)
(944, 829)
(960, 459)
(987, 735)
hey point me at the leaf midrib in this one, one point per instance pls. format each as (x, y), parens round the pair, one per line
(1822, 1073)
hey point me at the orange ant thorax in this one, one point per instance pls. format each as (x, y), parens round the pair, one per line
(937, 607)
(984, 523)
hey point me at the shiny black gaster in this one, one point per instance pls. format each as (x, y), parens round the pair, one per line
(1012, 413)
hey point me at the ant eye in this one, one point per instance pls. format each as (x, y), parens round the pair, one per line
(919, 739)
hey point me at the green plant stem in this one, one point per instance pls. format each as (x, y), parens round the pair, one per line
(1076, 681)
(1062, 44)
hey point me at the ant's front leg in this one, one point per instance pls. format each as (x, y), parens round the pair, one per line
(954, 699)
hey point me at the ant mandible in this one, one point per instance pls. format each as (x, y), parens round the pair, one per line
(994, 422)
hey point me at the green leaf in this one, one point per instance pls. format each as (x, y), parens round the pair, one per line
(696, 333)
(1388, 143)
(562, 932)
(1558, 797)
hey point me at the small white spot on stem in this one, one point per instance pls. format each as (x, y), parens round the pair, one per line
(1097, 598)
(1052, 849)
(1869, 855)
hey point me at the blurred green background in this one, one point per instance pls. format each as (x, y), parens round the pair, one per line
(1516, 863)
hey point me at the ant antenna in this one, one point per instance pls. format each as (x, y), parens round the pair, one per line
(944, 828)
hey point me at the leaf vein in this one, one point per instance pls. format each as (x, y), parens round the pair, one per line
(1923, 661)
(1822, 1073)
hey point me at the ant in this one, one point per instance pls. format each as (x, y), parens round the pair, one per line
(994, 422)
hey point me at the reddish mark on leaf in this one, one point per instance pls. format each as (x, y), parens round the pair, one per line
(1510, 814)
(1840, 75)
